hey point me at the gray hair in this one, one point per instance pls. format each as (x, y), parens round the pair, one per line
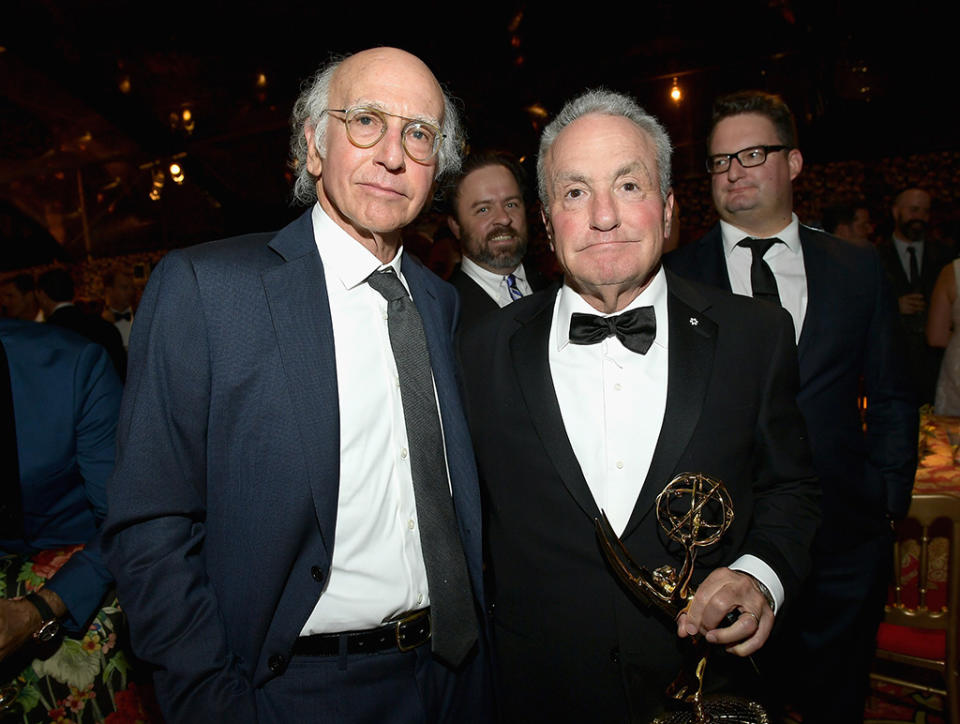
(313, 101)
(600, 100)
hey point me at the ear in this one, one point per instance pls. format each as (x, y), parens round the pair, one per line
(795, 162)
(314, 162)
(454, 226)
(668, 214)
(545, 218)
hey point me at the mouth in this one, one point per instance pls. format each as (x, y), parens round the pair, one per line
(384, 191)
(501, 236)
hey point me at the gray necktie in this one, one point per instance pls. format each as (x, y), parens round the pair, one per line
(453, 619)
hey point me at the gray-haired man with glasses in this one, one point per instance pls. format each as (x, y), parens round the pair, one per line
(847, 330)
(294, 521)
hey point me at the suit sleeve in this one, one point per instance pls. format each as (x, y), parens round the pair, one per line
(786, 509)
(155, 531)
(891, 416)
(83, 580)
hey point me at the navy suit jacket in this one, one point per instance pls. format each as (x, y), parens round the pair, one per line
(66, 399)
(851, 330)
(223, 505)
(475, 303)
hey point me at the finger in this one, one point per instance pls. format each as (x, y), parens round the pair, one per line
(742, 629)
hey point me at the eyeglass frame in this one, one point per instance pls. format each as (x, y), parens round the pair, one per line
(440, 136)
(767, 150)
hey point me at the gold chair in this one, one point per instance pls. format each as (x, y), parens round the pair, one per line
(919, 628)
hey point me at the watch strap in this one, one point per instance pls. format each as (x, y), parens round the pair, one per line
(46, 613)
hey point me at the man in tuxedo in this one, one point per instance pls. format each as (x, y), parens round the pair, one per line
(847, 331)
(913, 263)
(291, 539)
(592, 398)
(489, 218)
(118, 293)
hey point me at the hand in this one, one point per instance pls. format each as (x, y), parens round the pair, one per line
(721, 592)
(912, 303)
(18, 620)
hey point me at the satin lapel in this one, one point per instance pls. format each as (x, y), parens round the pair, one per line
(690, 365)
(711, 260)
(297, 297)
(529, 353)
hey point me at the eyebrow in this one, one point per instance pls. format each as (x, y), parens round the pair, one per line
(487, 202)
(380, 107)
(625, 170)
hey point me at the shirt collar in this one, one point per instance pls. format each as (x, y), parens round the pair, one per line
(655, 295)
(344, 257)
(492, 277)
(789, 235)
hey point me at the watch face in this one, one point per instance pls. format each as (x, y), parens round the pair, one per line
(48, 631)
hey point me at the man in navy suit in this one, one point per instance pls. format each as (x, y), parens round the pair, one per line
(268, 525)
(64, 399)
(489, 218)
(847, 330)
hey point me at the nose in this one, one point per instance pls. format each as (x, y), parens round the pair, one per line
(389, 150)
(500, 216)
(604, 214)
(735, 170)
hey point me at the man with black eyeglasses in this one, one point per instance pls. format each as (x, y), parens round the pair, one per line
(847, 329)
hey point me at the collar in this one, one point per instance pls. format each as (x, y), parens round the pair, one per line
(902, 245)
(494, 278)
(345, 258)
(789, 235)
(655, 295)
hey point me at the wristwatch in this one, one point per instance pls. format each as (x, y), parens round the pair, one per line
(49, 626)
(764, 591)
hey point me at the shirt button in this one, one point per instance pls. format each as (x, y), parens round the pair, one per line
(619, 464)
(420, 599)
(618, 387)
(410, 524)
(403, 453)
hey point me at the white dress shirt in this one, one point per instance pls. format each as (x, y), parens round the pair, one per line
(901, 246)
(495, 285)
(785, 261)
(612, 402)
(377, 570)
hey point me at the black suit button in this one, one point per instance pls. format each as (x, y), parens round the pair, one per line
(317, 573)
(275, 663)
(615, 655)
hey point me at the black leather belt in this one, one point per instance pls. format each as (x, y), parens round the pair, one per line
(404, 634)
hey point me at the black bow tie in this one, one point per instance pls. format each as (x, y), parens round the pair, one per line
(117, 316)
(636, 328)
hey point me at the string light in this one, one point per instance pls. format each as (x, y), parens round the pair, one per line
(675, 93)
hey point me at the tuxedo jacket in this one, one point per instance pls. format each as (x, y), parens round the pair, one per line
(223, 506)
(571, 643)
(66, 399)
(475, 303)
(851, 332)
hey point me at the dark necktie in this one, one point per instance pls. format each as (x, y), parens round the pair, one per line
(11, 498)
(762, 280)
(453, 619)
(636, 328)
(914, 269)
(512, 287)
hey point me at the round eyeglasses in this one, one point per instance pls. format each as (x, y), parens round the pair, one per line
(746, 157)
(366, 126)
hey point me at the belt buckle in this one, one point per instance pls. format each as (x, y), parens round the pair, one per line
(403, 622)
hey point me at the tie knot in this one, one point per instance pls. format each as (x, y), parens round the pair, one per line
(387, 284)
(759, 247)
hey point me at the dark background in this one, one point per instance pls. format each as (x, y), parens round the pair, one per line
(91, 94)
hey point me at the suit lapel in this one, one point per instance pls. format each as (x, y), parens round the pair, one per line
(690, 363)
(530, 357)
(823, 279)
(297, 296)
